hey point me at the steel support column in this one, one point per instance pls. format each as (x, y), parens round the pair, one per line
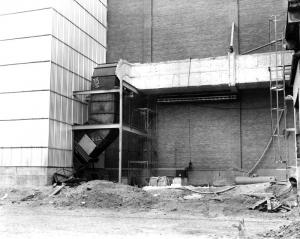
(120, 130)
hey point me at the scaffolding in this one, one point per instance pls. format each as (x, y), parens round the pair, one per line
(281, 128)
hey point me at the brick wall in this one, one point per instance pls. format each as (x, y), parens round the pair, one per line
(206, 134)
(222, 135)
(181, 29)
(253, 21)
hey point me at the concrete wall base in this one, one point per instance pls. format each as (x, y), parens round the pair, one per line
(26, 176)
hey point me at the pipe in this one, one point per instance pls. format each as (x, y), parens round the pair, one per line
(252, 180)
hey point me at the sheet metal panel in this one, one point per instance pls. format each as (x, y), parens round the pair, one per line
(25, 50)
(67, 110)
(23, 157)
(60, 158)
(65, 82)
(26, 24)
(24, 105)
(24, 133)
(12, 6)
(73, 60)
(25, 77)
(82, 19)
(99, 11)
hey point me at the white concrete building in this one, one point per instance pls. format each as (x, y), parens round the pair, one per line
(48, 48)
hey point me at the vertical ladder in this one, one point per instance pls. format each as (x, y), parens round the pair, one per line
(277, 94)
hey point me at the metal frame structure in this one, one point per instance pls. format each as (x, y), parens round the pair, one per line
(121, 126)
(278, 98)
(277, 95)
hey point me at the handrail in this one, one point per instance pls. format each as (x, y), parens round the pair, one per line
(262, 46)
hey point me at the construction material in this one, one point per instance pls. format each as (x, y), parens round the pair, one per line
(213, 192)
(179, 181)
(5, 196)
(57, 190)
(254, 180)
(163, 181)
(269, 204)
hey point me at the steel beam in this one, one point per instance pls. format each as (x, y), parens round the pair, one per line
(135, 131)
(95, 126)
(130, 87)
(120, 130)
(93, 92)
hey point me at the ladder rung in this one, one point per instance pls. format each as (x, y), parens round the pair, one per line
(274, 79)
(280, 135)
(277, 88)
(290, 129)
(279, 109)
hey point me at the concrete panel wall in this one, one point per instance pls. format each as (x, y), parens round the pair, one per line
(24, 89)
(183, 29)
(48, 49)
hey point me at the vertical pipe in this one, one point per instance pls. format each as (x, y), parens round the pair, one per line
(241, 133)
(120, 130)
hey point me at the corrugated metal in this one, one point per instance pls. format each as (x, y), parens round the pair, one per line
(12, 6)
(60, 158)
(97, 10)
(24, 105)
(80, 40)
(60, 135)
(75, 13)
(77, 47)
(26, 24)
(25, 77)
(23, 156)
(24, 133)
(73, 60)
(25, 50)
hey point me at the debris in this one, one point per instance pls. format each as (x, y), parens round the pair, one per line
(269, 204)
(153, 181)
(258, 204)
(241, 228)
(163, 181)
(193, 196)
(57, 190)
(286, 231)
(259, 195)
(30, 197)
(179, 181)
(205, 192)
(5, 196)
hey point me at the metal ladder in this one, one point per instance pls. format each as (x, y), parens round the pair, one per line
(278, 106)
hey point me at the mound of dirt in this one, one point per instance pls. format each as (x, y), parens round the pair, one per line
(286, 231)
(102, 194)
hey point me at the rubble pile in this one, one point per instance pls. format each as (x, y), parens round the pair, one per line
(101, 194)
(286, 231)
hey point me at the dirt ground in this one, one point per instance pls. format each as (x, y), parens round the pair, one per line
(101, 208)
